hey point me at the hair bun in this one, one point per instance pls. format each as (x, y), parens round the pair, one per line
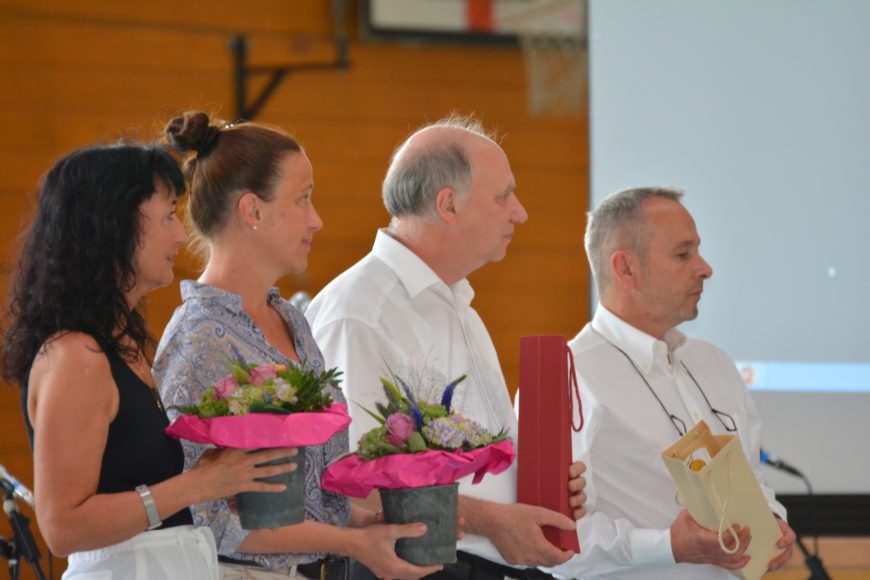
(192, 132)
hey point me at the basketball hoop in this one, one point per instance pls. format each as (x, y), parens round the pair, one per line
(552, 35)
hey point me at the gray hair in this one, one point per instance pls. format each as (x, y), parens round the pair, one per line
(417, 174)
(619, 224)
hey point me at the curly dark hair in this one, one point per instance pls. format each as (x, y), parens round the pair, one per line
(76, 261)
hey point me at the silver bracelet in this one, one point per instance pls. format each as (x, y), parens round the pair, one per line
(150, 506)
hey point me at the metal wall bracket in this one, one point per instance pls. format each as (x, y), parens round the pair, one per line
(238, 45)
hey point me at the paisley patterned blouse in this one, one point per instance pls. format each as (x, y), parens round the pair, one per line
(207, 329)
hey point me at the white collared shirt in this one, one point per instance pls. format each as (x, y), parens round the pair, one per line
(630, 493)
(391, 311)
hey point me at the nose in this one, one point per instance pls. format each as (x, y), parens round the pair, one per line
(180, 234)
(518, 212)
(705, 269)
(314, 221)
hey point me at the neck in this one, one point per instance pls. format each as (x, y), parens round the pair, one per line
(230, 269)
(133, 298)
(626, 311)
(431, 243)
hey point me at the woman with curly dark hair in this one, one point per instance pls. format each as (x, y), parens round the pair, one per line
(105, 234)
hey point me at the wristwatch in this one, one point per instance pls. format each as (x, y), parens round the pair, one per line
(150, 507)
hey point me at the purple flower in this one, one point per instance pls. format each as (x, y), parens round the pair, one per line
(412, 404)
(447, 396)
(261, 374)
(399, 427)
(225, 387)
(444, 432)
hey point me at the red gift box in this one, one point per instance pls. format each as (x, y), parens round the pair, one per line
(544, 447)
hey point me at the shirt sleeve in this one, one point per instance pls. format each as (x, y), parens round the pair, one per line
(608, 544)
(752, 442)
(188, 361)
(749, 425)
(361, 353)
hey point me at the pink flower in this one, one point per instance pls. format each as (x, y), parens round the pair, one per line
(225, 387)
(261, 374)
(399, 427)
(395, 440)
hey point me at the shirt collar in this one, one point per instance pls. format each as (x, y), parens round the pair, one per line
(641, 347)
(192, 289)
(414, 274)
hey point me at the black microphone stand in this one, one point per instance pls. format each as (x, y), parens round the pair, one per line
(10, 554)
(812, 561)
(22, 544)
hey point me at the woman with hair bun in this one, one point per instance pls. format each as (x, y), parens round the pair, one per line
(104, 235)
(250, 204)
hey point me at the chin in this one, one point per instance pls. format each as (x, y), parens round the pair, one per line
(297, 268)
(498, 256)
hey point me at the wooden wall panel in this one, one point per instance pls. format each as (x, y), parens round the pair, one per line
(224, 16)
(78, 71)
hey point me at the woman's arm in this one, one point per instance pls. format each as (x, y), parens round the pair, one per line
(373, 545)
(72, 400)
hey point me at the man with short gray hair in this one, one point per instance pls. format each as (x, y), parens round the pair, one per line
(643, 384)
(406, 307)
(619, 223)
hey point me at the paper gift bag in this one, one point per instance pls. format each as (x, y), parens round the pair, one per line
(724, 492)
(544, 447)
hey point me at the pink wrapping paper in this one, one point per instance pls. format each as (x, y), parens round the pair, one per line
(258, 430)
(357, 477)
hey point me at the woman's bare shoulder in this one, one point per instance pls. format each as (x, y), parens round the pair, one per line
(71, 356)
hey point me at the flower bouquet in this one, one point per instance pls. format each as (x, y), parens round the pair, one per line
(414, 458)
(263, 406)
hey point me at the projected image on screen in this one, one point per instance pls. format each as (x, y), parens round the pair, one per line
(766, 131)
(786, 376)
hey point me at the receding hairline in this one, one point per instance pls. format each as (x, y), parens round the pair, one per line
(621, 222)
(438, 136)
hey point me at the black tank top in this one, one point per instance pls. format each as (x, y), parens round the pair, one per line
(137, 448)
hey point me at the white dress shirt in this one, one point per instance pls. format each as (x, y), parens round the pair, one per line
(631, 496)
(390, 311)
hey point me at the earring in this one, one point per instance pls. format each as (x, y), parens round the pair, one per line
(254, 228)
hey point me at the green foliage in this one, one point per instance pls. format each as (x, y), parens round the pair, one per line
(416, 443)
(279, 389)
(374, 444)
(410, 425)
(431, 411)
(311, 393)
(209, 406)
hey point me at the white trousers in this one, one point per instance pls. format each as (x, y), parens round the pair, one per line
(171, 554)
(238, 572)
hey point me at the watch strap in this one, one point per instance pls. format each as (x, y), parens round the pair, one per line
(150, 507)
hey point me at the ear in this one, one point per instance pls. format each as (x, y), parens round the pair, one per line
(624, 269)
(249, 209)
(446, 205)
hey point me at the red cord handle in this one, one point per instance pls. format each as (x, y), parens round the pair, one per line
(572, 381)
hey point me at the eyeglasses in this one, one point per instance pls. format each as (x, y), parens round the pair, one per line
(680, 425)
(724, 418)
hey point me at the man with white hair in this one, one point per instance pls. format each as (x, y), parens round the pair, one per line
(407, 307)
(643, 384)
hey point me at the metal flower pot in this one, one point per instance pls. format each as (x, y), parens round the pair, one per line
(263, 509)
(435, 506)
